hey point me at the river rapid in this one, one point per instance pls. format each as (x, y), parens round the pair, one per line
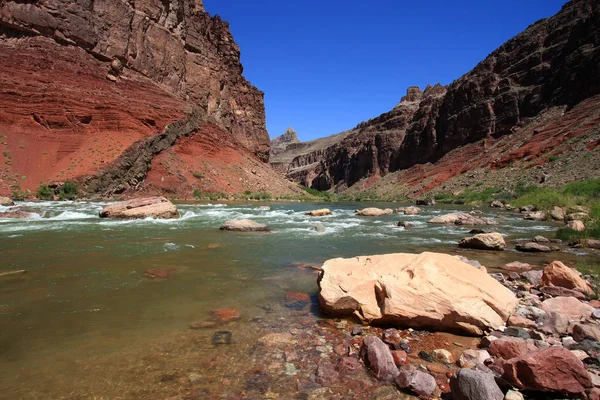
(84, 322)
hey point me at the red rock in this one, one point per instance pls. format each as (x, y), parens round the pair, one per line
(522, 322)
(557, 291)
(558, 274)
(517, 266)
(400, 357)
(554, 369)
(438, 369)
(349, 365)
(161, 273)
(298, 297)
(508, 348)
(581, 332)
(378, 357)
(226, 314)
(594, 303)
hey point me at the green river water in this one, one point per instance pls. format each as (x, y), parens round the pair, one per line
(84, 322)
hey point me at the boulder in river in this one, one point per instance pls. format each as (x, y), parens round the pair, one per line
(461, 219)
(411, 211)
(15, 214)
(484, 241)
(244, 225)
(155, 207)
(373, 212)
(532, 247)
(319, 213)
(425, 202)
(576, 225)
(427, 290)
(6, 202)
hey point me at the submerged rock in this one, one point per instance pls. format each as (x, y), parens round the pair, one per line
(484, 241)
(16, 214)
(155, 207)
(226, 314)
(461, 219)
(222, 337)
(244, 225)
(427, 290)
(378, 357)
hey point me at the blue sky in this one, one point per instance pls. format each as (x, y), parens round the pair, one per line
(327, 65)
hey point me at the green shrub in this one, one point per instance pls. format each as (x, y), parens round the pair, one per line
(44, 192)
(19, 195)
(552, 158)
(68, 191)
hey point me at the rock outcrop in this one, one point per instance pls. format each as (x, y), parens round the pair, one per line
(280, 143)
(427, 290)
(558, 274)
(103, 93)
(244, 225)
(554, 63)
(154, 207)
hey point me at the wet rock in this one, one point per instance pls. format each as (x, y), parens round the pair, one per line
(16, 214)
(391, 287)
(423, 355)
(540, 239)
(418, 382)
(577, 226)
(373, 212)
(475, 385)
(326, 372)
(244, 225)
(496, 204)
(405, 225)
(275, 339)
(391, 336)
(378, 357)
(533, 277)
(516, 266)
(222, 337)
(553, 323)
(595, 314)
(319, 213)
(558, 213)
(471, 357)
(461, 219)
(484, 241)
(477, 231)
(558, 274)
(155, 207)
(412, 211)
(296, 305)
(509, 347)
(226, 314)
(442, 356)
(528, 208)
(400, 357)
(536, 216)
(356, 330)
(318, 228)
(158, 273)
(425, 202)
(531, 247)
(570, 307)
(557, 291)
(5, 275)
(349, 366)
(554, 369)
(390, 393)
(582, 332)
(6, 202)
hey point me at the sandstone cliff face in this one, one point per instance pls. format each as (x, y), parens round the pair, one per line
(555, 62)
(280, 143)
(176, 44)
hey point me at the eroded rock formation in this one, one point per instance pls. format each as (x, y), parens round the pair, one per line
(555, 62)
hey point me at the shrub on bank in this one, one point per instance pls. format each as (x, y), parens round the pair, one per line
(68, 191)
(44, 192)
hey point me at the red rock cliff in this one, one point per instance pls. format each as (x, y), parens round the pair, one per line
(175, 44)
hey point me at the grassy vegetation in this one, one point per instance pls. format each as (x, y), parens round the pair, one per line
(326, 196)
(19, 194)
(68, 191)
(212, 196)
(592, 270)
(44, 192)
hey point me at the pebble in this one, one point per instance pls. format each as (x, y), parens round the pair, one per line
(222, 337)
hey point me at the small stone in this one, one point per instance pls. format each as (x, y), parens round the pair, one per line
(290, 369)
(596, 314)
(391, 336)
(475, 385)
(222, 337)
(517, 332)
(418, 382)
(471, 357)
(226, 314)
(513, 395)
(400, 357)
(423, 355)
(203, 325)
(443, 356)
(356, 330)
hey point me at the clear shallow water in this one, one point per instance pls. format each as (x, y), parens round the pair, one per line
(84, 303)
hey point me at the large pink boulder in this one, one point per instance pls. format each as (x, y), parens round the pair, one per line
(155, 207)
(558, 274)
(427, 290)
